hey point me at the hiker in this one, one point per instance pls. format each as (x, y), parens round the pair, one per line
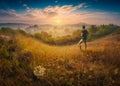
(83, 39)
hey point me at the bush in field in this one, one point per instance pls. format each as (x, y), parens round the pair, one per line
(7, 31)
(68, 39)
(100, 31)
(44, 36)
(117, 32)
(21, 32)
(12, 71)
(10, 32)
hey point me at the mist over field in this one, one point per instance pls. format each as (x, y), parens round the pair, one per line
(54, 30)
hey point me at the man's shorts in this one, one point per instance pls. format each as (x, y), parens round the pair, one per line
(82, 40)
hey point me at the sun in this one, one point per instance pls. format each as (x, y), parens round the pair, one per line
(58, 21)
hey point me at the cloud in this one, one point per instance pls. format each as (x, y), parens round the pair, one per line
(98, 17)
(27, 8)
(48, 12)
(63, 9)
(8, 14)
(80, 5)
(24, 5)
(66, 13)
(56, 1)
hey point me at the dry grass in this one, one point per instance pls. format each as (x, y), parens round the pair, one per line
(68, 66)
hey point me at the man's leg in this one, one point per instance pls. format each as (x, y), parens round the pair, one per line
(85, 45)
(80, 45)
(80, 42)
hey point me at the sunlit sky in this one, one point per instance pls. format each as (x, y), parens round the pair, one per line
(60, 11)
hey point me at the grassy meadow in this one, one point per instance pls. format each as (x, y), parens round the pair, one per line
(27, 60)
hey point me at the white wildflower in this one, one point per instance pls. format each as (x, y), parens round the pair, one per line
(39, 71)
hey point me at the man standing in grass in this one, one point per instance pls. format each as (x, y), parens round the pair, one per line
(83, 39)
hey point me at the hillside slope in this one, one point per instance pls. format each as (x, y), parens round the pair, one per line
(64, 65)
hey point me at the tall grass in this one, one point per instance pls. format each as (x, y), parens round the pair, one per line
(65, 65)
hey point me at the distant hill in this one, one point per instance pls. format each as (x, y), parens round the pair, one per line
(14, 25)
(78, 25)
